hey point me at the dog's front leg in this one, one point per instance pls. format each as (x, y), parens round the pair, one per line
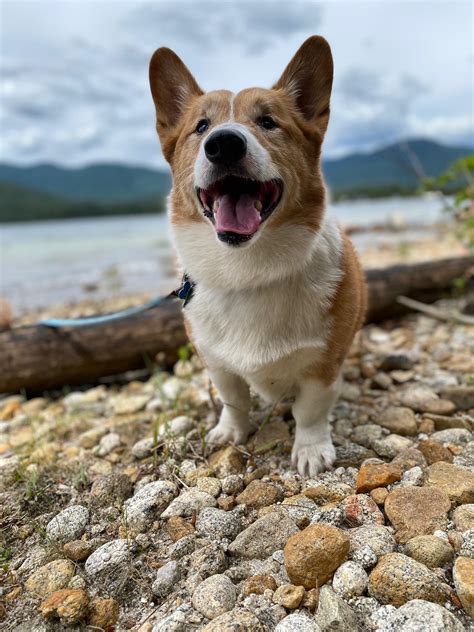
(313, 450)
(234, 425)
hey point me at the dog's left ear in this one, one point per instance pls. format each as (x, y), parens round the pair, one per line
(308, 79)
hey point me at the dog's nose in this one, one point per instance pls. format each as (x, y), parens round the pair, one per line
(225, 147)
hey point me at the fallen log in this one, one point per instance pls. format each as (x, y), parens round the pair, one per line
(36, 358)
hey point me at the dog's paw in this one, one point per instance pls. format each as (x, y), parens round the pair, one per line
(226, 432)
(311, 458)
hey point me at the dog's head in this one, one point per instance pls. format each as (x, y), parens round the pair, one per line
(243, 162)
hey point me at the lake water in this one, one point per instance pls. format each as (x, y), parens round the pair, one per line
(42, 263)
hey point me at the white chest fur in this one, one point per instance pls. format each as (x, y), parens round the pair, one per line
(262, 320)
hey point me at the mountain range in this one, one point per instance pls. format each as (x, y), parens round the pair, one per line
(47, 191)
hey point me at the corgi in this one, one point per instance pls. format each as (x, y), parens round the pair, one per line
(278, 292)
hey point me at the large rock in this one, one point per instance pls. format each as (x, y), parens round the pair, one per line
(421, 616)
(69, 524)
(456, 482)
(50, 577)
(108, 566)
(463, 517)
(430, 550)
(463, 575)
(397, 579)
(312, 555)
(416, 511)
(263, 537)
(333, 614)
(214, 596)
(68, 605)
(148, 504)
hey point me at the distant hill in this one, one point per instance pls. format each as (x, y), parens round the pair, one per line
(46, 191)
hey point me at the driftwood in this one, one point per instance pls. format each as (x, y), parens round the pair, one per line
(37, 358)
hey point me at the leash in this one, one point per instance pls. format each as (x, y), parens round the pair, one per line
(184, 293)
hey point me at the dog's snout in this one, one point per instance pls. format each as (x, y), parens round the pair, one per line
(225, 147)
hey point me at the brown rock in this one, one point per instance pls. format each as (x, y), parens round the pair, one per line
(289, 596)
(178, 528)
(424, 400)
(78, 550)
(463, 575)
(399, 420)
(50, 578)
(259, 494)
(324, 493)
(463, 517)
(226, 502)
(270, 435)
(361, 510)
(379, 494)
(426, 426)
(456, 482)
(416, 511)
(434, 451)
(10, 409)
(372, 475)
(397, 579)
(69, 605)
(311, 599)
(103, 613)
(461, 396)
(430, 550)
(441, 422)
(227, 461)
(411, 457)
(313, 555)
(258, 584)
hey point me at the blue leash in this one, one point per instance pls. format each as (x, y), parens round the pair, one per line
(184, 293)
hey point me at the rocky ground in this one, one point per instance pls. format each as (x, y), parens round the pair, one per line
(115, 513)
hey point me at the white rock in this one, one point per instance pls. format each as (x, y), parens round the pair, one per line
(333, 613)
(214, 596)
(125, 404)
(297, 622)
(143, 448)
(188, 503)
(69, 524)
(166, 579)
(412, 477)
(350, 580)
(217, 523)
(109, 565)
(420, 616)
(148, 503)
(108, 443)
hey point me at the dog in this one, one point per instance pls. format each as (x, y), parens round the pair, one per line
(278, 292)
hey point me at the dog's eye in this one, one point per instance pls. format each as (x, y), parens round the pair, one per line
(267, 122)
(202, 126)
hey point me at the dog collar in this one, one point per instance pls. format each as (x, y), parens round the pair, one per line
(186, 290)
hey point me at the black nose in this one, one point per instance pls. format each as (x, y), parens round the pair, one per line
(225, 147)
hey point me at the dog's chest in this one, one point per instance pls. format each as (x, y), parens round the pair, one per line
(250, 330)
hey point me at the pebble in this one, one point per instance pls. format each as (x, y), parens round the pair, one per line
(175, 622)
(214, 596)
(467, 546)
(312, 555)
(110, 490)
(463, 517)
(189, 503)
(461, 396)
(379, 494)
(69, 524)
(218, 524)
(396, 362)
(270, 435)
(429, 550)
(103, 613)
(399, 420)
(78, 550)
(416, 511)
(390, 446)
(372, 475)
(301, 509)
(50, 578)
(409, 458)
(69, 605)
(148, 503)
(108, 443)
(232, 484)
(456, 482)
(434, 451)
(259, 494)
(350, 580)
(466, 458)
(327, 492)
(366, 434)
(458, 436)
(144, 448)
(397, 579)
(360, 509)
(289, 596)
(208, 560)
(264, 536)
(109, 565)
(463, 576)
(166, 579)
(374, 538)
(297, 622)
(209, 485)
(412, 477)
(424, 400)
(418, 615)
(258, 584)
(351, 455)
(125, 404)
(333, 613)
(226, 462)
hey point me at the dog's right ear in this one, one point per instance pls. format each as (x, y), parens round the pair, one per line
(172, 87)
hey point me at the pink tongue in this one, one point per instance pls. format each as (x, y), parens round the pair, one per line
(237, 216)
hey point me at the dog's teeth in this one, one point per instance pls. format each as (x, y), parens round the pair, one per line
(258, 206)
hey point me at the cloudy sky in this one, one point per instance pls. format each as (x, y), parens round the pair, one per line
(75, 73)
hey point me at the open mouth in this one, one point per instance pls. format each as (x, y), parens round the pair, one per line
(238, 206)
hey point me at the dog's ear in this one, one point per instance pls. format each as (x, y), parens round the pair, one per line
(172, 87)
(308, 79)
